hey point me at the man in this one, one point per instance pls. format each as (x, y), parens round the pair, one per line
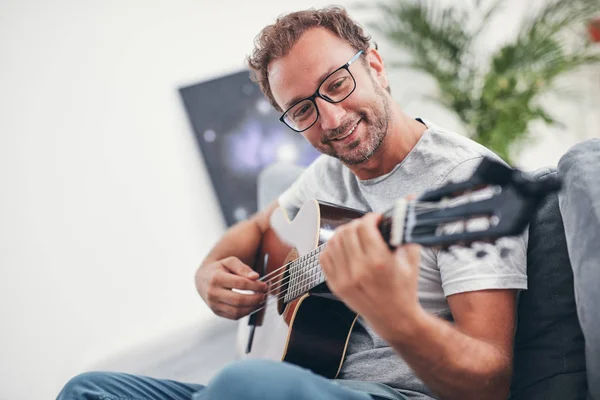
(432, 324)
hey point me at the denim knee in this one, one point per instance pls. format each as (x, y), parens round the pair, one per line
(88, 385)
(255, 380)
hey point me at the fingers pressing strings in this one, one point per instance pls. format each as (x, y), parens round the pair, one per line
(278, 287)
(276, 273)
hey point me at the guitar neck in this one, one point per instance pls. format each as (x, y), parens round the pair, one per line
(305, 272)
(496, 201)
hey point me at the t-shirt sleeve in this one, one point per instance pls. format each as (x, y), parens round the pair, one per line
(483, 266)
(303, 189)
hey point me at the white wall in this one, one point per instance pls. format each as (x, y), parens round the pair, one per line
(105, 205)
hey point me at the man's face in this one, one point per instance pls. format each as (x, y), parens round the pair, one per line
(350, 130)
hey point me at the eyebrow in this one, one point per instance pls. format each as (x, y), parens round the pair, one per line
(320, 80)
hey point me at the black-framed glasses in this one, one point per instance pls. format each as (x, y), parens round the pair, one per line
(336, 87)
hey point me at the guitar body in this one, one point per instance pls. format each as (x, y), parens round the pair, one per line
(311, 331)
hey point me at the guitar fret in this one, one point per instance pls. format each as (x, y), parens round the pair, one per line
(290, 282)
(304, 274)
(293, 281)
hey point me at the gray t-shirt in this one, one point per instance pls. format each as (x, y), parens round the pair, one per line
(439, 156)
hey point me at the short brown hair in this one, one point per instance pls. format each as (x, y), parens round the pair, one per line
(276, 40)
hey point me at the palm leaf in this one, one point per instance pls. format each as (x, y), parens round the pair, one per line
(496, 101)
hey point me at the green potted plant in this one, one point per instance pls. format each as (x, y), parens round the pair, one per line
(496, 98)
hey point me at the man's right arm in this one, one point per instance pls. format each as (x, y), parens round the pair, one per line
(227, 266)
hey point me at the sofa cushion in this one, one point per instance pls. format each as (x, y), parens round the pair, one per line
(549, 360)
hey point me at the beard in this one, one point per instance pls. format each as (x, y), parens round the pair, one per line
(362, 149)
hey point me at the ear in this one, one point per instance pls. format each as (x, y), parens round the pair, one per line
(377, 67)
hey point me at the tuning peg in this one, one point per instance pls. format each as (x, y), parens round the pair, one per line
(481, 253)
(505, 252)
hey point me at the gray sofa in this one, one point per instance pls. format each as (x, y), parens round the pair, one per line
(549, 353)
(580, 209)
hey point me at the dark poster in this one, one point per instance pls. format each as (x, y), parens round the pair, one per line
(239, 134)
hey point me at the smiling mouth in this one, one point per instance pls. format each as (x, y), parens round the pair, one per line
(350, 132)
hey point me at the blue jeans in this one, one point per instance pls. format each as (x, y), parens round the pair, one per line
(248, 380)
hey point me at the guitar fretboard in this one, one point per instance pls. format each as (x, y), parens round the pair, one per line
(304, 274)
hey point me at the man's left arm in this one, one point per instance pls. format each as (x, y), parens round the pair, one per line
(470, 359)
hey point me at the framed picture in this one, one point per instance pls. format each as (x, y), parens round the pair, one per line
(239, 134)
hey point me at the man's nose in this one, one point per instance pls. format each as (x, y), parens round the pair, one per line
(330, 115)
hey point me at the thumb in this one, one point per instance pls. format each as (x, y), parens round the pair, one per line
(236, 266)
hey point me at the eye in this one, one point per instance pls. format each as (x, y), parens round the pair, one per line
(337, 84)
(302, 110)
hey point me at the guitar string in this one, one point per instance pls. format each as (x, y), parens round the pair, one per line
(421, 206)
(284, 293)
(296, 283)
(292, 264)
(306, 276)
(281, 268)
(311, 268)
(278, 296)
(308, 273)
(271, 301)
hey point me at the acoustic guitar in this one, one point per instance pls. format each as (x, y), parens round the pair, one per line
(302, 322)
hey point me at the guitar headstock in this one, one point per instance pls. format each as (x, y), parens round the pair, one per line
(496, 201)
